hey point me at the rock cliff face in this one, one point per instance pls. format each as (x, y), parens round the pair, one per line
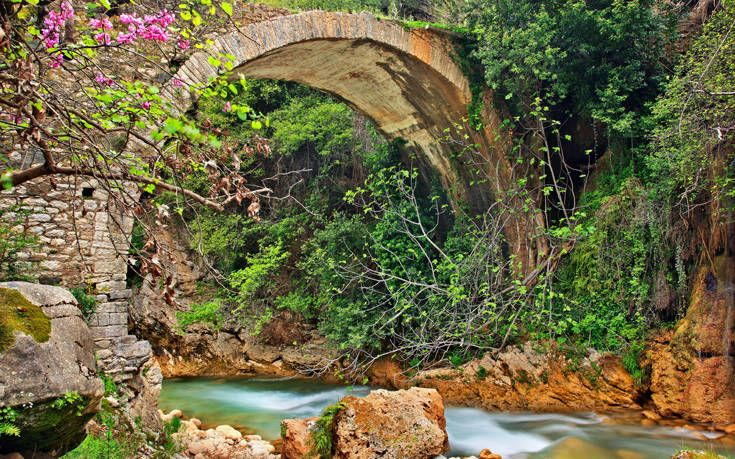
(524, 378)
(52, 385)
(693, 368)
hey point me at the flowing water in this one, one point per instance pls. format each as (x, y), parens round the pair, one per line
(258, 405)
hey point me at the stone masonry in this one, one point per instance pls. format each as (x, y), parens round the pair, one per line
(82, 240)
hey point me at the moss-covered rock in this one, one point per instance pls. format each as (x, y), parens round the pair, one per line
(47, 371)
(17, 313)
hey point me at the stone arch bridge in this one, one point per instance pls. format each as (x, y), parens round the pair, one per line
(404, 79)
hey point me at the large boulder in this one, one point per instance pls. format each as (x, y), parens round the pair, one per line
(47, 377)
(404, 424)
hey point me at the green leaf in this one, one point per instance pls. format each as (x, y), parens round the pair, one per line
(196, 20)
(226, 7)
(256, 124)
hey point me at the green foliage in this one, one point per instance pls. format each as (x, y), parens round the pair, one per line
(110, 385)
(8, 417)
(207, 313)
(604, 59)
(313, 123)
(172, 426)
(321, 434)
(85, 297)
(631, 362)
(17, 313)
(102, 447)
(690, 122)
(222, 238)
(255, 275)
(70, 400)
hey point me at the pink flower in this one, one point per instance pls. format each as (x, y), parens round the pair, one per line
(227, 108)
(103, 37)
(103, 23)
(131, 19)
(56, 61)
(126, 37)
(66, 11)
(163, 19)
(102, 79)
(183, 43)
(146, 105)
(154, 33)
(176, 82)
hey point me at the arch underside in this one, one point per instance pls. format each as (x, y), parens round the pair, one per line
(403, 96)
(404, 80)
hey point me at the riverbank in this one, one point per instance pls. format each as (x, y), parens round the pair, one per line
(257, 405)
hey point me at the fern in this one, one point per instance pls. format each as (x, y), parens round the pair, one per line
(7, 428)
(321, 433)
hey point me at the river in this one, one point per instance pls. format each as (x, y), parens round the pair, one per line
(258, 405)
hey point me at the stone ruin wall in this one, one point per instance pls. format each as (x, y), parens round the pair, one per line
(82, 240)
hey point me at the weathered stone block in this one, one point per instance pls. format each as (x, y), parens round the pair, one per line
(121, 294)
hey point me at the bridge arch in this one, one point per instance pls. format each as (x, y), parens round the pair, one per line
(404, 79)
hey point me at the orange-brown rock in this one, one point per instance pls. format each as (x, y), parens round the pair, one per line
(525, 378)
(403, 424)
(296, 435)
(692, 373)
(487, 454)
(386, 372)
(652, 415)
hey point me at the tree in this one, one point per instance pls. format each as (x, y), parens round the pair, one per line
(69, 107)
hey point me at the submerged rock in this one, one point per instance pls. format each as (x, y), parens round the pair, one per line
(52, 384)
(404, 424)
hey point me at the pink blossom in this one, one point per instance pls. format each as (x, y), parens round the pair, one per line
(102, 79)
(126, 37)
(53, 23)
(103, 37)
(56, 61)
(103, 23)
(52, 40)
(131, 19)
(67, 11)
(227, 108)
(176, 82)
(146, 105)
(183, 43)
(163, 19)
(154, 33)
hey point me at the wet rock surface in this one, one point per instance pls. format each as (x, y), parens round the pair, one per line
(405, 424)
(52, 385)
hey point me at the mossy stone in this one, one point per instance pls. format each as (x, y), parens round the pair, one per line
(17, 313)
